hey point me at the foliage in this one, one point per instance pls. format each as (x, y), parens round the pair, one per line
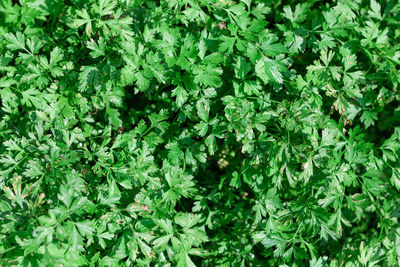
(199, 133)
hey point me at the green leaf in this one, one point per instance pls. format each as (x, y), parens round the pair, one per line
(4, 82)
(85, 228)
(181, 95)
(368, 118)
(114, 116)
(395, 178)
(15, 42)
(203, 109)
(269, 70)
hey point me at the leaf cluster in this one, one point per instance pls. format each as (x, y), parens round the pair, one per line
(199, 133)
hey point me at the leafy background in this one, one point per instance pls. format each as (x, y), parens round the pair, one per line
(199, 133)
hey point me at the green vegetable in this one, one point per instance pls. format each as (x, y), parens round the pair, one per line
(199, 133)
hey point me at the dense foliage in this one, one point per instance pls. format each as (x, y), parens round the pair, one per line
(199, 133)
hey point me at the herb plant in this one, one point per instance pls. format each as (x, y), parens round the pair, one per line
(199, 133)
